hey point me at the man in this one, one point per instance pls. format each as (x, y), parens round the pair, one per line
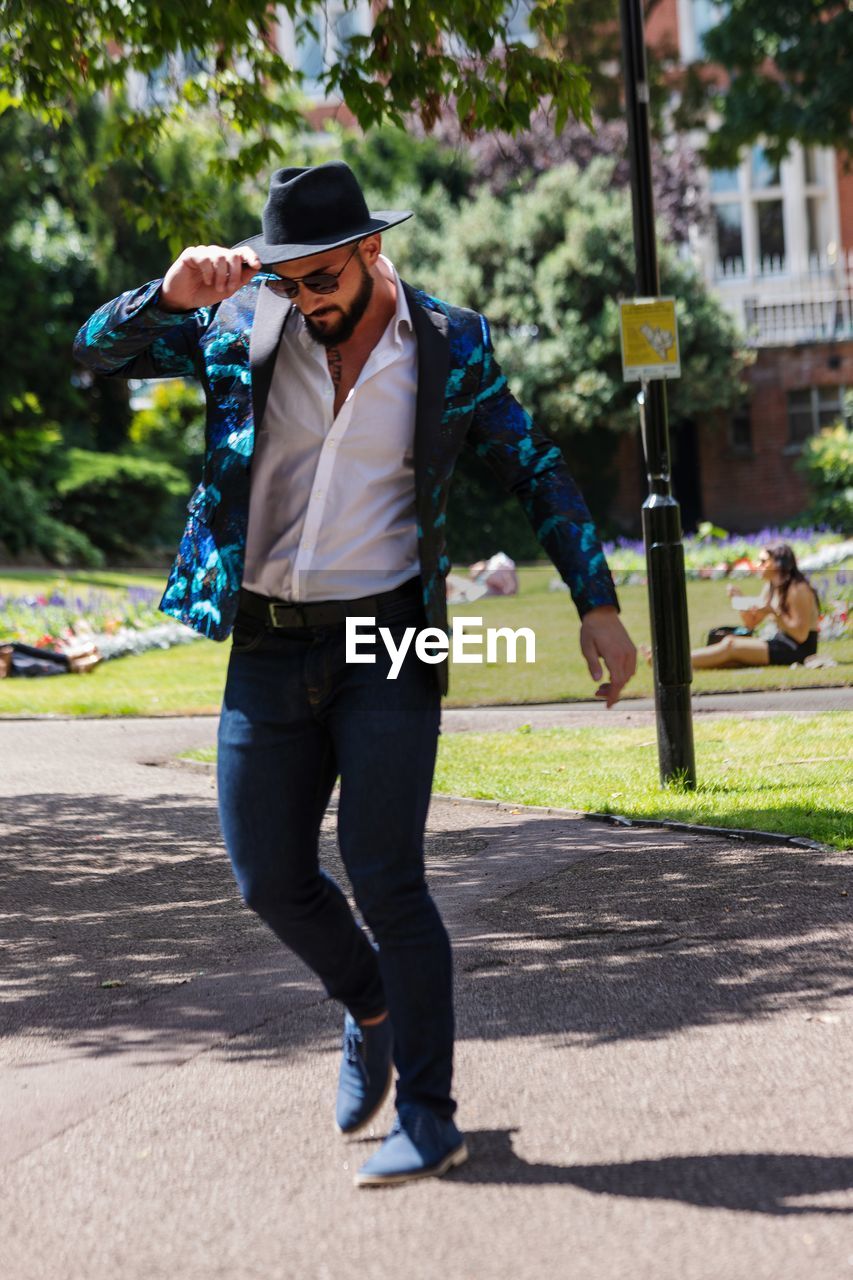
(351, 395)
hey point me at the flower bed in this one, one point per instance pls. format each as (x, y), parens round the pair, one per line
(717, 554)
(118, 622)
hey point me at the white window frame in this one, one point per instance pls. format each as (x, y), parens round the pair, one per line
(793, 191)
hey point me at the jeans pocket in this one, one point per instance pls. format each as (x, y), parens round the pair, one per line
(247, 635)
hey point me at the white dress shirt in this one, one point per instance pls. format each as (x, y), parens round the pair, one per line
(332, 502)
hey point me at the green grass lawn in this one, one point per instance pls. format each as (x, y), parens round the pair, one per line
(26, 581)
(779, 773)
(189, 679)
(776, 774)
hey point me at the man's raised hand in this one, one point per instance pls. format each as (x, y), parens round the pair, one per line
(205, 274)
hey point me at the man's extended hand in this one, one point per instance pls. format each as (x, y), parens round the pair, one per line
(604, 638)
(205, 274)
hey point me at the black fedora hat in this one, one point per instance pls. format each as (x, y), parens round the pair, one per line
(309, 210)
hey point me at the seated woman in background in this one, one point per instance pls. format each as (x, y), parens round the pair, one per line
(790, 599)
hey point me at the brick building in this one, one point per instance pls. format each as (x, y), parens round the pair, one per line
(779, 256)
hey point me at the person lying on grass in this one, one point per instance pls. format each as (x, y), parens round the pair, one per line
(788, 597)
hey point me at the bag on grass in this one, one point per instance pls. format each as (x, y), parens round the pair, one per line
(17, 659)
(27, 660)
(716, 634)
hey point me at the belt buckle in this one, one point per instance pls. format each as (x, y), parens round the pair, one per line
(275, 605)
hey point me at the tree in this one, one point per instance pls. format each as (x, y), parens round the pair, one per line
(590, 35)
(827, 463)
(510, 163)
(65, 245)
(548, 267)
(171, 426)
(222, 55)
(789, 76)
(122, 504)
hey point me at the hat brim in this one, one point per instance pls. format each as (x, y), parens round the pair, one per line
(270, 254)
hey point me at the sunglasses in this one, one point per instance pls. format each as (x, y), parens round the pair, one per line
(322, 282)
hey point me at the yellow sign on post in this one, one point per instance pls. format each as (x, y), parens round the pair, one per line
(649, 333)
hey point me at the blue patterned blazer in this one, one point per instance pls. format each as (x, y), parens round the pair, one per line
(462, 397)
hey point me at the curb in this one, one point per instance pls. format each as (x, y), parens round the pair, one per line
(746, 835)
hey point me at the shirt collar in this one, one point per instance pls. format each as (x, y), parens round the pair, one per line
(402, 314)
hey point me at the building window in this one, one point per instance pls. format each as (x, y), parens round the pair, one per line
(749, 217)
(765, 172)
(706, 15)
(324, 40)
(728, 220)
(311, 57)
(811, 408)
(817, 203)
(772, 219)
(770, 227)
(741, 428)
(768, 211)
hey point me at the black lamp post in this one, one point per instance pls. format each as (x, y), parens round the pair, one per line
(661, 514)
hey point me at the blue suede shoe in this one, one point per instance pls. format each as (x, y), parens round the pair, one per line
(420, 1145)
(367, 1073)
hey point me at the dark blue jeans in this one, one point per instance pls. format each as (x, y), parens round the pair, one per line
(295, 717)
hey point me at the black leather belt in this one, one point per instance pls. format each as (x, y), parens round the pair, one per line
(324, 613)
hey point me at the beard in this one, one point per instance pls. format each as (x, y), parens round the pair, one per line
(337, 331)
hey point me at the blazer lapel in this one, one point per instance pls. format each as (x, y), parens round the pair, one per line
(270, 315)
(433, 366)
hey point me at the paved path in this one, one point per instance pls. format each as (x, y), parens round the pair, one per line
(639, 711)
(653, 1062)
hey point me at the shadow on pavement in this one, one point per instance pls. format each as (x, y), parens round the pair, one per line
(100, 889)
(635, 934)
(654, 934)
(751, 1183)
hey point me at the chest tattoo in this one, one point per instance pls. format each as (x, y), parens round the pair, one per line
(336, 365)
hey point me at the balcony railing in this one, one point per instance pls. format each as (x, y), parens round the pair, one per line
(813, 306)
